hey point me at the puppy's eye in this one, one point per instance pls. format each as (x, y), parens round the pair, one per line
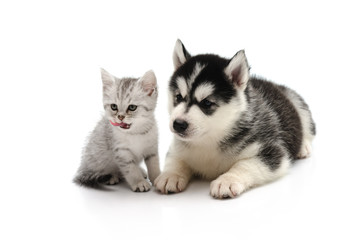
(114, 107)
(179, 98)
(206, 103)
(132, 107)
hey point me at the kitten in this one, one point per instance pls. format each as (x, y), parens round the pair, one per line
(125, 135)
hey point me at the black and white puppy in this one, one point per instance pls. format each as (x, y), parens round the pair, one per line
(238, 130)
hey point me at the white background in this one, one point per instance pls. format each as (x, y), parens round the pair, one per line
(50, 99)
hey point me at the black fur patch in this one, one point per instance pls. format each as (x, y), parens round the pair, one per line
(313, 128)
(271, 156)
(91, 179)
(104, 178)
(290, 132)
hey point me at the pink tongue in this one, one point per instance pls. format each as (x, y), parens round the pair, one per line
(122, 125)
(115, 124)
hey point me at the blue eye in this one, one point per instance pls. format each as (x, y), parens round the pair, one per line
(179, 98)
(206, 103)
(132, 107)
(114, 107)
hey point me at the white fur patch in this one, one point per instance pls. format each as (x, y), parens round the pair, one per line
(170, 102)
(197, 69)
(250, 151)
(178, 113)
(182, 86)
(220, 123)
(203, 91)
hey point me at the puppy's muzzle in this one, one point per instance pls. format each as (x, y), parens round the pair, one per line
(180, 126)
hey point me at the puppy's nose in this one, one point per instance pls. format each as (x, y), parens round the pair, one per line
(120, 117)
(180, 126)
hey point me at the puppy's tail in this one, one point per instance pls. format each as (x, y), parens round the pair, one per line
(91, 179)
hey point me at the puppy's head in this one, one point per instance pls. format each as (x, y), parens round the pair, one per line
(206, 94)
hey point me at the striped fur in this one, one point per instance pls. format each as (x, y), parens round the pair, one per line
(115, 152)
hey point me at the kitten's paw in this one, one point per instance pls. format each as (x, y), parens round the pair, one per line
(305, 150)
(141, 186)
(114, 180)
(144, 173)
(109, 179)
(170, 183)
(226, 186)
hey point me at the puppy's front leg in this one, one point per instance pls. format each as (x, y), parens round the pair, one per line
(174, 178)
(243, 175)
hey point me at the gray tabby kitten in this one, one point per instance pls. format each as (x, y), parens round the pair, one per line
(126, 135)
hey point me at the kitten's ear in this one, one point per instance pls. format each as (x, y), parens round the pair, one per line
(148, 82)
(238, 70)
(180, 54)
(107, 79)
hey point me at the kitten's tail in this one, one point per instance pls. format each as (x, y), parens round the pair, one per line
(91, 179)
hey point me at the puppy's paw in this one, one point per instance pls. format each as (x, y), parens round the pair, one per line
(141, 186)
(226, 186)
(305, 150)
(170, 183)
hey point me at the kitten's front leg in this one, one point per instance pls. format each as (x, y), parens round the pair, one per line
(174, 178)
(153, 167)
(132, 173)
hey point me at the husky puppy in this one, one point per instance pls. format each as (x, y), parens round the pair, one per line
(238, 130)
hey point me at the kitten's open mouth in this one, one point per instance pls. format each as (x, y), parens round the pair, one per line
(125, 125)
(121, 125)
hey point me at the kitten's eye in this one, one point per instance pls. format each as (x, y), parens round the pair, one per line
(132, 107)
(179, 98)
(206, 103)
(114, 107)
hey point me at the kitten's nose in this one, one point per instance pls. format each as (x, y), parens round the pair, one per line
(120, 117)
(180, 126)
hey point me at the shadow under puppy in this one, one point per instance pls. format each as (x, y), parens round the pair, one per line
(126, 135)
(236, 130)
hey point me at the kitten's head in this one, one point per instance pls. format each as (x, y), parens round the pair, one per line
(130, 102)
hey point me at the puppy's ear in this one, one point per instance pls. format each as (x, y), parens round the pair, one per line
(238, 70)
(149, 82)
(180, 54)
